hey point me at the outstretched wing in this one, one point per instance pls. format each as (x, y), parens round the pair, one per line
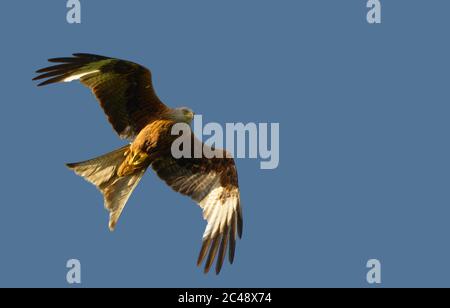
(124, 89)
(213, 184)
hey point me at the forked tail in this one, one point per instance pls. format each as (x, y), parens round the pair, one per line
(116, 188)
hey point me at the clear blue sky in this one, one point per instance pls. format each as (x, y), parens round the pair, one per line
(364, 157)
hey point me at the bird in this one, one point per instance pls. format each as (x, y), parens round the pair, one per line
(126, 94)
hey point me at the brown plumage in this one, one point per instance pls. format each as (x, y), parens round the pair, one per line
(125, 92)
(124, 89)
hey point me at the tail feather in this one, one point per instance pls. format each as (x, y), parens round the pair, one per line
(103, 173)
(117, 194)
(100, 170)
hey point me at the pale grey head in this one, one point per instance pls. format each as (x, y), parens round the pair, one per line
(183, 114)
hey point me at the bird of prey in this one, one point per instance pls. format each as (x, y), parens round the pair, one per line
(125, 92)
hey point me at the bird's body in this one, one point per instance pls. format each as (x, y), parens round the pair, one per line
(126, 94)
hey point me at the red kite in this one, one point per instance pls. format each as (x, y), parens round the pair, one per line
(125, 92)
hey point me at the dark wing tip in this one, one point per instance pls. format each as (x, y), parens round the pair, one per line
(66, 66)
(90, 55)
(50, 81)
(63, 60)
(222, 250)
(212, 253)
(78, 57)
(222, 242)
(203, 251)
(240, 223)
(232, 235)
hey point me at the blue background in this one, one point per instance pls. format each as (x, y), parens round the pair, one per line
(364, 158)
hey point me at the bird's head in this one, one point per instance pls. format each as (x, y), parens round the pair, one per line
(183, 114)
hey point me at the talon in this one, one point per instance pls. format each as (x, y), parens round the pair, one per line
(139, 158)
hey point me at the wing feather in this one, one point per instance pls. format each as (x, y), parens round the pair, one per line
(124, 89)
(222, 250)
(213, 184)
